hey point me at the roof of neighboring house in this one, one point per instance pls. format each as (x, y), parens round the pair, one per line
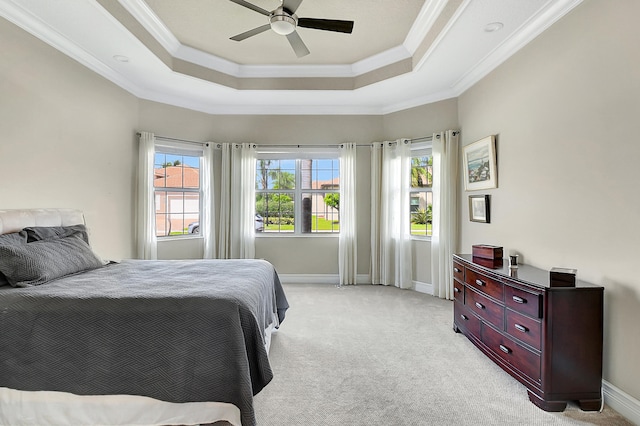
(177, 177)
(331, 184)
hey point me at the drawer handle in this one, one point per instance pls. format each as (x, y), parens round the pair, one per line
(456, 290)
(464, 317)
(479, 305)
(505, 349)
(521, 328)
(480, 282)
(456, 270)
(519, 299)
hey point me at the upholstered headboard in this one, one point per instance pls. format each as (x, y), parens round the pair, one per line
(15, 220)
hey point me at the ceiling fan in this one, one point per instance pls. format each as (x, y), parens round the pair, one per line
(284, 21)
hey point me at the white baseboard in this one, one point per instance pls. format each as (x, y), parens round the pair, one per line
(421, 287)
(333, 279)
(621, 402)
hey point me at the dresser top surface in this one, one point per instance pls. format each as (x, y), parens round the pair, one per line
(523, 273)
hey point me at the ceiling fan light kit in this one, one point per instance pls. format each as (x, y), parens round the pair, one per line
(284, 21)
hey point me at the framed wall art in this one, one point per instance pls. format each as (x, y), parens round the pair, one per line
(480, 165)
(479, 209)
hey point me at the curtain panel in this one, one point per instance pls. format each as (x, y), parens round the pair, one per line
(236, 234)
(445, 196)
(348, 243)
(207, 227)
(390, 220)
(146, 240)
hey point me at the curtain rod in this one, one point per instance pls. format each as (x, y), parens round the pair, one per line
(420, 139)
(177, 140)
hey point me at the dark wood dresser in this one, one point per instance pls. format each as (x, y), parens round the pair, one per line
(548, 338)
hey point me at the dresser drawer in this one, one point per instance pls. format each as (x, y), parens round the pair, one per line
(522, 359)
(484, 284)
(523, 328)
(465, 320)
(525, 302)
(484, 307)
(458, 271)
(458, 291)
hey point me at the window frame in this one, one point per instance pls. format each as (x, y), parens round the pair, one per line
(298, 154)
(188, 150)
(419, 149)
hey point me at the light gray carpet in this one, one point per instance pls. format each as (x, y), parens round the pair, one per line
(374, 355)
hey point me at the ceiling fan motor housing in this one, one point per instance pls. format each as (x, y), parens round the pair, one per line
(282, 22)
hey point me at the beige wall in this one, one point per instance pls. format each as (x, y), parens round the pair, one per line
(66, 139)
(566, 111)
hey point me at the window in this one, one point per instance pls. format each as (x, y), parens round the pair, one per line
(298, 195)
(176, 183)
(420, 192)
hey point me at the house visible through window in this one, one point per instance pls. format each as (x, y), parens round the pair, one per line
(298, 195)
(420, 192)
(176, 183)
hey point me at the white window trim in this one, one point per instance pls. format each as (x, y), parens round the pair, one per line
(297, 153)
(191, 150)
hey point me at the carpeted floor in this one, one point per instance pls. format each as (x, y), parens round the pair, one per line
(374, 355)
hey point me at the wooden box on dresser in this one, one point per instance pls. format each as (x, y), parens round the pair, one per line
(548, 338)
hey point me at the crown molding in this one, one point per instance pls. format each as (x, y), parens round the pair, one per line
(428, 15)
(432, 48)
(522, 36)
(141, 11)
(419, 101)
(16, 14)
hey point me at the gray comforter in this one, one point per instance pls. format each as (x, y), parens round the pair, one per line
(177, 331)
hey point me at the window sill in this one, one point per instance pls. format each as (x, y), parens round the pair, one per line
(180, 238)
(421, 238)
(294, 235)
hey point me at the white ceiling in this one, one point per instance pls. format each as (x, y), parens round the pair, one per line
(402, 53)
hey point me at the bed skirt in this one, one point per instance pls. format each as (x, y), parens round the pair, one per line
(45, 408)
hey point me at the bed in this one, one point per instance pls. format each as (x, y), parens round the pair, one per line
(131, 342)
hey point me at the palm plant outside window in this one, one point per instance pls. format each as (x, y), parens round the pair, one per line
(420, 192)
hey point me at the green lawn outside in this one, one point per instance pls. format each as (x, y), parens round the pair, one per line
(417, 229)
(318, 224)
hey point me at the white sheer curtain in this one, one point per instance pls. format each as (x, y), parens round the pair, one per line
(207, 226)
(390, 221)
(236, 232)
(445, 195)
(145, 213)
(347, 250)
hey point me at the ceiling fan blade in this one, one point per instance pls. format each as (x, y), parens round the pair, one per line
(326, 24)
(298, 45)
(251, 6)
(251, 33)
(291, 5)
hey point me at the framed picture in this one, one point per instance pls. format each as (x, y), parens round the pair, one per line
(479, 208)
(480, 165)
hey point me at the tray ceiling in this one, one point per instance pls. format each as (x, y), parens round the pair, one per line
(402, 53)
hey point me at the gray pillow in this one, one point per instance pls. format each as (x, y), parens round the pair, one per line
(38, 233)
(26, 265)
(9, 239)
